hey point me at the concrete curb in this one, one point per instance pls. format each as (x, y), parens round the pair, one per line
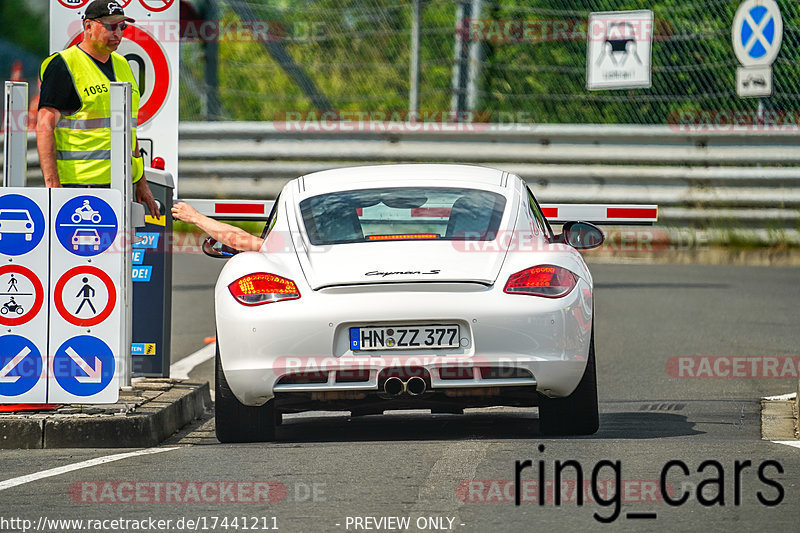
(144, 425)
(779, 418)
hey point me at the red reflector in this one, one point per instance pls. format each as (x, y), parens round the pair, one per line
(430, 212)
(228, 209)
(549, 281)
(550, 212)
(16, 407)
(631, 212)
(263, 288)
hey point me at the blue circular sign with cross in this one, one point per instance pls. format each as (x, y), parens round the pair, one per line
(757, 32)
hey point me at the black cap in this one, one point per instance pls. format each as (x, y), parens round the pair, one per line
(106, 9)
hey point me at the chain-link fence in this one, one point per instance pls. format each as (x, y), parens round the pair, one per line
(528, 60)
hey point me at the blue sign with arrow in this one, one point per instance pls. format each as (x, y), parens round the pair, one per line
(84, 365)
(20, 365)
(86, 225)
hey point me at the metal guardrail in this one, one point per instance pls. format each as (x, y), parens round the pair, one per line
(730, 177)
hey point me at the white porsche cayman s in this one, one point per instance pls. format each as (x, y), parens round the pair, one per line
(437, 287)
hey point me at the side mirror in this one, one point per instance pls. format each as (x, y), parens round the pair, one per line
(217, 250)
(582, 235)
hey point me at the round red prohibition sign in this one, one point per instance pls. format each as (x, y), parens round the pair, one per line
(73, 4)
(38, 295)
(58, 296)
(160, 5)
(160, 70)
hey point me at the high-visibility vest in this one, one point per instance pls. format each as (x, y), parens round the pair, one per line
(83, 139)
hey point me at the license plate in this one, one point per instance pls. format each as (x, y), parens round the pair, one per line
(405, 337)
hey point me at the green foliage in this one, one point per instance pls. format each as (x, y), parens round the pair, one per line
(23, 26)
(357, 54)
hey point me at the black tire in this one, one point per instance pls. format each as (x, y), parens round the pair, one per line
(577, 414)
(236, 422)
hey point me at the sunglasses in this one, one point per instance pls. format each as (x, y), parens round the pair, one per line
(113, 27)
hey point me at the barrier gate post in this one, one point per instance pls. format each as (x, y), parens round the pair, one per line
(152, 284)
(121, 172)
(15, 129)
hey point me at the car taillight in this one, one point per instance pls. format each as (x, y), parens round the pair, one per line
(549, 281)
(263, 288)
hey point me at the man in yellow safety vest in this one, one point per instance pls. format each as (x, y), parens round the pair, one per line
(73, 130)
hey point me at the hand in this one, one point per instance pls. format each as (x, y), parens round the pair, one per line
(185, 212)
(145, 196)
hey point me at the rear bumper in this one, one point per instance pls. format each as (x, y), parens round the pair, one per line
(548, 338)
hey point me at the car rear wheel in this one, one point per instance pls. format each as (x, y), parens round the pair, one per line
(236, 422)
(577, 414)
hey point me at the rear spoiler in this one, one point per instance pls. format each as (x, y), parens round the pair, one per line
(607, 214)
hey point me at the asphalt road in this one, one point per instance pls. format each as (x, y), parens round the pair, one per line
(329, 472)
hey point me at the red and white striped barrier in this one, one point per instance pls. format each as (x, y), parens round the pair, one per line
(622, 214)
(232, 209)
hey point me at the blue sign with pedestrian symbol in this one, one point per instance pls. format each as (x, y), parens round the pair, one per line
(83, 365)
(86, 225)
(20, 365)
(22, 224)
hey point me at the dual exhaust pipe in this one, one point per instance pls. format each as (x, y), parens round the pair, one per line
(395, 386)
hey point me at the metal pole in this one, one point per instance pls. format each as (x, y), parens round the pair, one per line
(211, 49)
(475, 61)
(15, 128)
(458, 101)
(122, 180)
(413, 93)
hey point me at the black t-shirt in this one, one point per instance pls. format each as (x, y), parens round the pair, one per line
(58, 90)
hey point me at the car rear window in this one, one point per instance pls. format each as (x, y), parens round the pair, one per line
(402, 213)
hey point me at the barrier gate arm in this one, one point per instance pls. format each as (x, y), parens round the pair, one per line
(608, 214)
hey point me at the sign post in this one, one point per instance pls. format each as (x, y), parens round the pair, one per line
(86, 316)
(121, 180)
(15, 128)
(756, 33)
(24, 277)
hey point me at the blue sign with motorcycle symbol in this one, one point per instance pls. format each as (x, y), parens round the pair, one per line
(22, 224)
(86, 225)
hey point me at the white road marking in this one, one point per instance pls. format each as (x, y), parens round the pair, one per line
(790, 396)
(21, 480)
(182, 368)
(792, 443)
(457, 463)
